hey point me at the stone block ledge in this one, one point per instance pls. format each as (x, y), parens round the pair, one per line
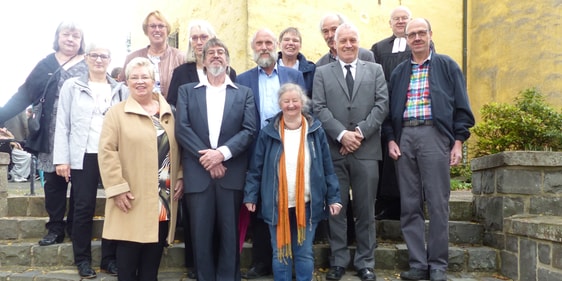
(518, 158)
(541, 227)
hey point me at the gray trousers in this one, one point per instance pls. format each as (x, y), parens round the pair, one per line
(22, 163)
(423, 172)
(362, 177)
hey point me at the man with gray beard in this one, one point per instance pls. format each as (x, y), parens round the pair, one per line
(215, 126)
(265, 80)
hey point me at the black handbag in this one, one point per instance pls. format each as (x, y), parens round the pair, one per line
(34, 121)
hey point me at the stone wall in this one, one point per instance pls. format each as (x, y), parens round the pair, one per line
(517, 199)
(4, 161)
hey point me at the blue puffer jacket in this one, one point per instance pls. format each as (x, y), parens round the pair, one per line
(262, 179)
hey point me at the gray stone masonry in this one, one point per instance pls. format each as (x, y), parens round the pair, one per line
(4, 161)
(517, 199)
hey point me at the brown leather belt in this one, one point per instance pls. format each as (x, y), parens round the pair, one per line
(417, 122)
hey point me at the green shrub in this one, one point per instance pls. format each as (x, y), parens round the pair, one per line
(530, 124)
(461, 172)
(460, 185)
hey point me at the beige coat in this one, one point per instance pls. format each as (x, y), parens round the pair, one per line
(128, 160)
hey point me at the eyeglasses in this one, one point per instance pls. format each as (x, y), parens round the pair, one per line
(157, 26)
(218, 52)
(413, 35)
(203, 37)
(139, 79)
(404, 18)
(95, 56)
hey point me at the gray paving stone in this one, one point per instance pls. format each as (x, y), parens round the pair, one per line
(482, 259)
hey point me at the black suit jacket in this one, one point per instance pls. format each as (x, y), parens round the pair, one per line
(183, 74)
(386, 58)
(237, 132)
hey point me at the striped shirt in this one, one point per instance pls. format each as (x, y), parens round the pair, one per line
(418, 103)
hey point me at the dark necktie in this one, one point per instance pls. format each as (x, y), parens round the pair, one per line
(349, 80)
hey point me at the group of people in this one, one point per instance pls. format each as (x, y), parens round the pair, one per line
(281, 147)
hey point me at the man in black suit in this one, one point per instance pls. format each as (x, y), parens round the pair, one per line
(216, 124)
(389, 53)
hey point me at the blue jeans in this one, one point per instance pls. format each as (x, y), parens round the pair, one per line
(303, 256)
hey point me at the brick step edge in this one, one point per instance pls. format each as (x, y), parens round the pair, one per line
(180, 274)
(21, 228)
(387, 256)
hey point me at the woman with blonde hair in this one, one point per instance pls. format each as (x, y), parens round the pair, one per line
(199, 32)
(164, 57)
(140, 169)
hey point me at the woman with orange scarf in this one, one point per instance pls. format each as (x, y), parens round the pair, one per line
(292, 174)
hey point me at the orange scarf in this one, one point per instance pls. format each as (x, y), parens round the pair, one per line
(283, 226)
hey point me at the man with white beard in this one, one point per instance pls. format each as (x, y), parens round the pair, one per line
(215, 126)
(265, 80)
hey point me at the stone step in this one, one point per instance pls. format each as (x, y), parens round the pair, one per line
(34, 206)
(460, 206)
(460, 232)
(388, 256)
(21, 228)
(179, 274)
(33, 228)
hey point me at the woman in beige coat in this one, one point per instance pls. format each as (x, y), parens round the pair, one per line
(140, 170)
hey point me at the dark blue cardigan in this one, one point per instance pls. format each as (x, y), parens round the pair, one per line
(450, 107)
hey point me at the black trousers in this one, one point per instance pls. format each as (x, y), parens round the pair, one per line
(214, 213)
(188, 249)
(262, 253)
(388, 194)
(140, 261)
(55, 204)
(188, 241)
(85, 188)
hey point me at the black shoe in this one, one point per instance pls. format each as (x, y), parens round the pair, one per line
(192, 274)
(255, 272)
(335, 273)
(415, 274)
(111, 268)
(367, 274)
(85, 270)
(437, 275)
(51, 239)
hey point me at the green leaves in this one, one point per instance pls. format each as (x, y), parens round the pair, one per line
(530, 124)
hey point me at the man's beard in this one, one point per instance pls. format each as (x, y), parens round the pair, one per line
(216, 70)
(265, 62)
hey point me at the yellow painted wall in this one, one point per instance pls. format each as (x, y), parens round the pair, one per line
(237, 20)
(512, 46)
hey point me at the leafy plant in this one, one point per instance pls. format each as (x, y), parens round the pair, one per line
(529, 124)
(461, 172)
(460, 185)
